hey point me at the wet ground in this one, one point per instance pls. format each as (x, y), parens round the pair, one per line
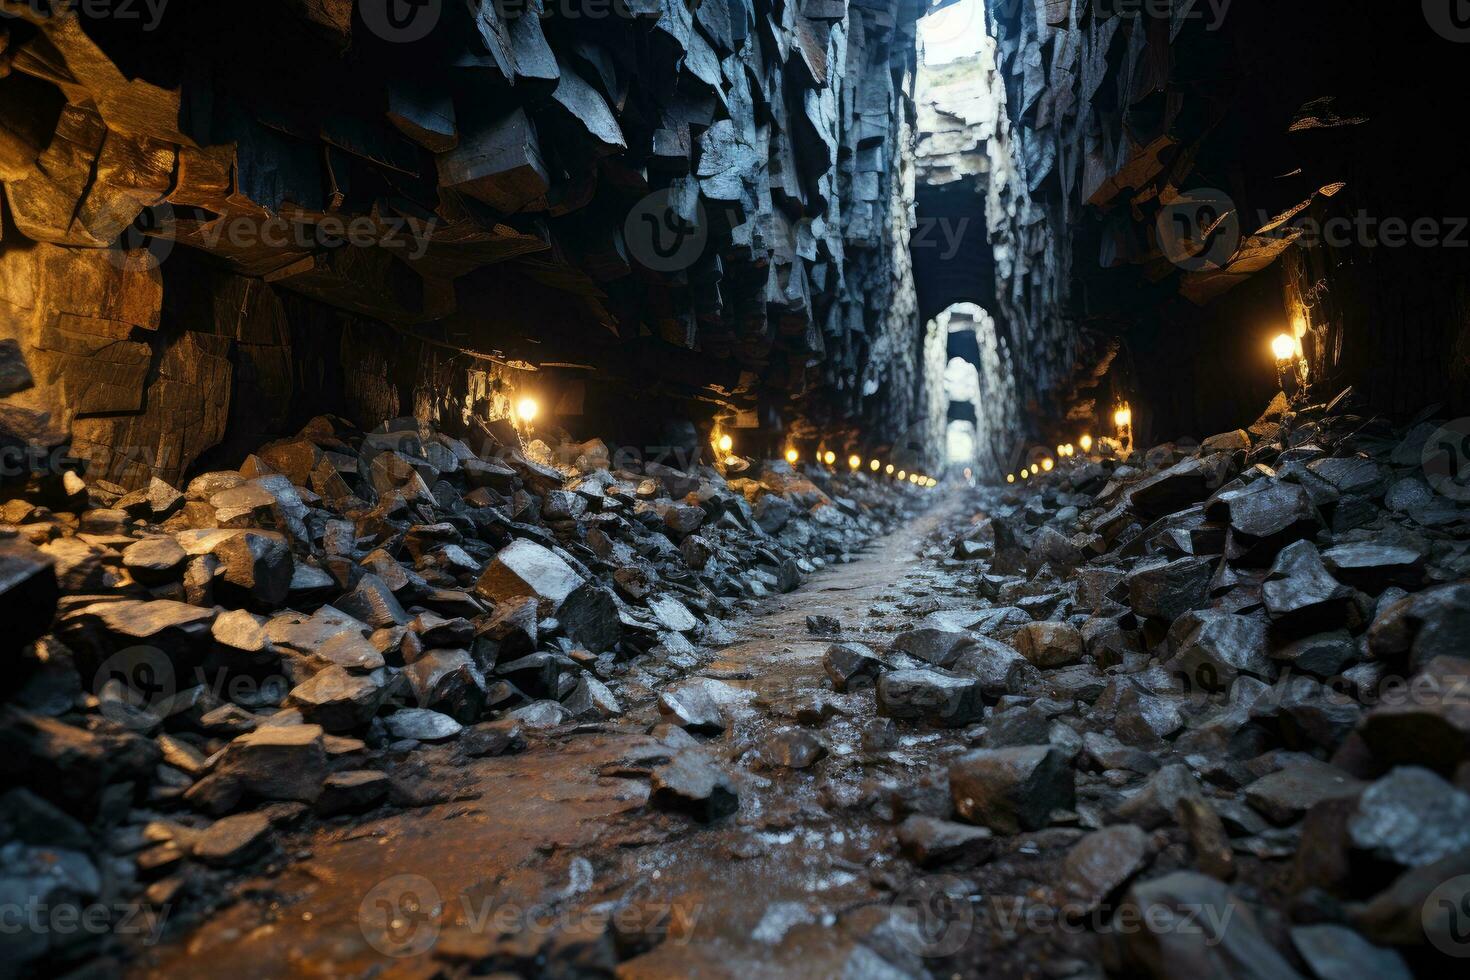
(559, 843)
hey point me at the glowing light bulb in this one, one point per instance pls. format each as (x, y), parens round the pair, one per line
(829, 457)
(527, 409)
(1284, 347)
(1071, 449)
(1025, 473)
(874, 465)
(888, 469)
(792, 456)
(903, 474)
(1047, 464)
(726, 443)
(1061, 449)
(1010, 478)
(1123, 417)
(1086, 443)
(854, 461)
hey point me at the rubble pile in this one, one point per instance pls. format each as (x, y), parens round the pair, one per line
(342, 622)
(1219, 675)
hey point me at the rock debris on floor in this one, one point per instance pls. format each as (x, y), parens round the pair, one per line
(1196, 712)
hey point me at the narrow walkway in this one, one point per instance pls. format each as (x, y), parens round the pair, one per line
(550, 841)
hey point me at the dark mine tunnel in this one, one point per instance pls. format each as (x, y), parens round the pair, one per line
(734, 488)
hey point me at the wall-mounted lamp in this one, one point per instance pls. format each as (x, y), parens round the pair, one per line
(725, 443)
(1085, 442)
(792, 455)
(1010, 478)
(874, 465)
(854, 461)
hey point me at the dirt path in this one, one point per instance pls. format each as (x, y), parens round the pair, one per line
(540, 849)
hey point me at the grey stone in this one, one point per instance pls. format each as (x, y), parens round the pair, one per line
(1012, 789)
(931, 842)
(936, 696)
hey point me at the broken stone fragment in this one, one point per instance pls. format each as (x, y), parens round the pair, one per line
(936, 696)
(422, 725)
(232, 841)
(1322, 654)
(851, 666)
(672, 614)
(1049, 645)
(933, 646)
(692, 784)
(1426, 722)
(1157, 802)
(524, 568)
(1421, 627)
(277, 762)
(352, 791)
(336, 700)
(1285, 795)
(255, 569)
(1301, 597)
(1168, 590)
(153, 561)
(1208, 839)
(447, 681)
(1375, 567)
(1223, 939)
(1224, 647)
(1102, 863)
(792, 748)
(589, 618)
(28, 591)
(373, 603)
(1013, 789)
(1334, 951)
(931, 842)
(691, 707)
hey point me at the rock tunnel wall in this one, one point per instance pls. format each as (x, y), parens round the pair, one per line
(216, 226)
(1167, 187)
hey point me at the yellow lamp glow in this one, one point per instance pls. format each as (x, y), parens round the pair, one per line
(1025, 473)
(1284, 347)
(1123, 417)
(726, 443)
(903, 474)
(1086, 443)
(888, 469)
(1047, 464)
(792, 456)
(527, 409)
(1010, 478)
(874, 465)
(854, 461)
(829, 457)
